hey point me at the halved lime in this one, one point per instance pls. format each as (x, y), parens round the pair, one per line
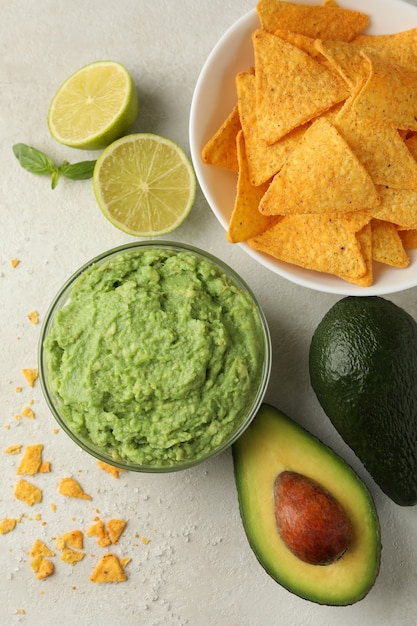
(94, 106)
(144, 184)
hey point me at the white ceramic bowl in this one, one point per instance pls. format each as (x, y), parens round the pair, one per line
(214, 98)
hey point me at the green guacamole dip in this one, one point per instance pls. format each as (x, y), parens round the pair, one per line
(156, 357)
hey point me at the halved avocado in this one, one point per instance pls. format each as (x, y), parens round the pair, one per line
(274, 443)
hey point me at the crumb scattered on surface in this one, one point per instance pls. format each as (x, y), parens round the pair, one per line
(99, 530)
(108, 570)
(33, 317)
(14, 449)
(31, 374)
(7, 525)
(14, 262)
(27, 492)
(72, 556)
(71, 488)
(114, 471)
(31, 460)
(27, 412)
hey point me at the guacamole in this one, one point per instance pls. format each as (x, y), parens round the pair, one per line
(156, 357)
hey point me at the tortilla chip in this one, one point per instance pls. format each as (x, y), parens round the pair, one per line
(110, 469)
(321, 175)
(346, 59)
(220, 150)
(307, 44)
(108, 570)
(398, 206)
(115, 528)
(31, 460)
(263, 160)
(45, 569)
(74, 539)
(398, 48)
(411, 143)
(7, 525)
(364, 239)
(380, 149)
(356, 220)
(39, 548)
(31, 375)
(317, 242)
(71, 488)
(388, 95)
(291, 87)
(28, 493)
(72, 556)
(246, 221)
(409, 238)
(387, 246)
(318, 22)
(98, 530)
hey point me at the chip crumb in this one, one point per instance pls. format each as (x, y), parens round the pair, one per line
(33, 317)
(31, 374)
(39, 548)
(71, 488)
(125, 561)
(72, 556)
(53, 507)
(114, 471)
(27, 492)
(13, 449)
(21, 612)
(46, 568)
(145, 540)
(7, 525)
(115, 528)
(27, 412)
(31, 460)
(45, 467)
(18, 389)
(14, 262)
(108, 570)
(74, 539)
(98, 530)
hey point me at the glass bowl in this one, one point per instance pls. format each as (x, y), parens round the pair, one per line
(138, 401)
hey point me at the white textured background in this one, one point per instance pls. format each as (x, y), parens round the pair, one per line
(198, 568)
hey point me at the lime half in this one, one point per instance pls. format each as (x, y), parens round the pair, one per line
(144, 184)
(94, 106)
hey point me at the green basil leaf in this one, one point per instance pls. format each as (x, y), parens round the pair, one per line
(78, 171)
(33, 160)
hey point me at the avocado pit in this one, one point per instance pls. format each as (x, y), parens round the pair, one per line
(310, 521)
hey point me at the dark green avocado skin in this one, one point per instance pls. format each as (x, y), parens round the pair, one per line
(363, 370)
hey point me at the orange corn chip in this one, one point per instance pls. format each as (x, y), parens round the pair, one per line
(220, 149)
(116, 527)
(318, 241)
(28, 493)
(397, 206)
(291, 87)
(31, 460)
(380, 149)
(71, 488)
(246, 221)
(108, 570)
(319, 22)
(388, 95)
(334, 180)
(387, 246)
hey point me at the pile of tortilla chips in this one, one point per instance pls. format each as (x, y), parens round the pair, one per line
(324, 139)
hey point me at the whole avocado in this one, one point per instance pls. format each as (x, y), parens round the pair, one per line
(363, 370)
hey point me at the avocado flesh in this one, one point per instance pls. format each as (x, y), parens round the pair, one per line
(274, 443)
(363, 369)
